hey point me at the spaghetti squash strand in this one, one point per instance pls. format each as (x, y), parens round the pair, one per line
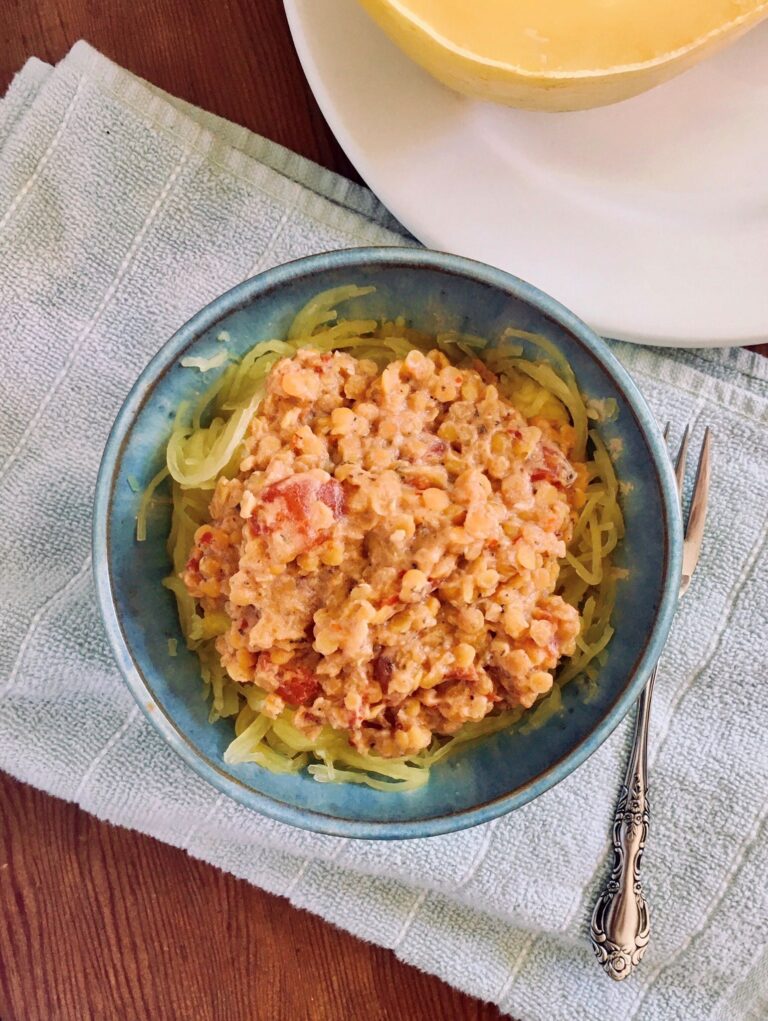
(199, 453)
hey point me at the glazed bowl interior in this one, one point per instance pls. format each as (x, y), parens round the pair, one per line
(497, 773)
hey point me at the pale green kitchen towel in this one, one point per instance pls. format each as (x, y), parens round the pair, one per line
(122, 211)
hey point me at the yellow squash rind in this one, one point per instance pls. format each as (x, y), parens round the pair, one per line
(483, 77)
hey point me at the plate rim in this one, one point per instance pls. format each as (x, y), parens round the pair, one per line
(306, 818)
(424, 232)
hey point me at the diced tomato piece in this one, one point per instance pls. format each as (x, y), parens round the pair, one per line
(298, 494)
(298, 686)
(436, 450)
(382, 670)
(205, 538)
(549, 463)
(484, 372)
(193, 564)
(502, 678)
(460, 675)
(331, 494)
(286, 507)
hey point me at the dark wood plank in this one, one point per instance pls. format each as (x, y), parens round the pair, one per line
(103, 923)
(233, 57)
(99, 922)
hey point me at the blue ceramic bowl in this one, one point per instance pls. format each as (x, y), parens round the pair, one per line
(496, 774)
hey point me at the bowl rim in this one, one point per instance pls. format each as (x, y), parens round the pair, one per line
(245, 293)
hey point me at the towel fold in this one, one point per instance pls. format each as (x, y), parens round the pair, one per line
(123, 211)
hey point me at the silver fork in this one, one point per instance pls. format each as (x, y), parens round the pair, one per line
(620, 927)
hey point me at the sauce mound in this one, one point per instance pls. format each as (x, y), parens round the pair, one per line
(386, 559)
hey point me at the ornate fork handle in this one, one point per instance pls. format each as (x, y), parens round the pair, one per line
(620, 927)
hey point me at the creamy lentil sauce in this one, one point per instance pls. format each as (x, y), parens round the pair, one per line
(387, 556)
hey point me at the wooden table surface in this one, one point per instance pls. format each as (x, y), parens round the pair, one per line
(101, 923)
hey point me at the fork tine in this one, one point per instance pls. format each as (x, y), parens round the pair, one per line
(695, 528)
(701, 487)
(665, 434)
(682, 456)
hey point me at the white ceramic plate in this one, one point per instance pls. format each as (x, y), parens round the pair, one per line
(649, 218)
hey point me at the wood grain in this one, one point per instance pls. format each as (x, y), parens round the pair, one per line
(97, 922)
(233, 57)
(101, 923)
